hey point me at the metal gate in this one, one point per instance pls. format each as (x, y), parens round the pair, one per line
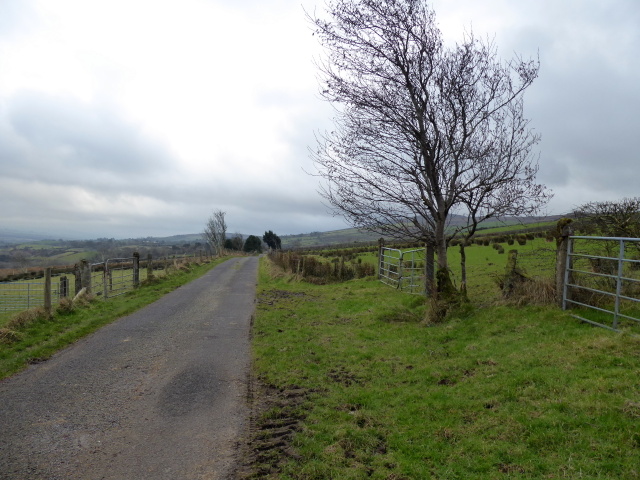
(114, 277)
(403, 269)
(602, 276)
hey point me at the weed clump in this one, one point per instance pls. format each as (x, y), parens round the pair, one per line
(65, 306)
(9, 336)
(25, 318)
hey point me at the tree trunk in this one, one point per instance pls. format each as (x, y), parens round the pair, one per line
(463, 271)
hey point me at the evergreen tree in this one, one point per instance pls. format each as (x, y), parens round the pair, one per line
(252, 244)
(272, 240)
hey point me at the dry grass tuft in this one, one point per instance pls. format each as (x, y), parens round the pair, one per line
(65, 306)
(536, 291)
(8, 336)
(24, 319)
(84, 300)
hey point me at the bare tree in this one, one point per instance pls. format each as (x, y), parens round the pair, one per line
(236, 242)
(429, 141)
(215, 232)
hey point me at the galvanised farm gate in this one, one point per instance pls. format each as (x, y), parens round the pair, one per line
(602, 281)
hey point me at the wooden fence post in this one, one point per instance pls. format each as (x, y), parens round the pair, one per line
(47, 291)
(64, 287)
(149, 267)
(106, 281)
(563, 261)
(136, 269)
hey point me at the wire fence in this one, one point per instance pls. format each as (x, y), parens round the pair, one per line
(22, 295)
(111, 278)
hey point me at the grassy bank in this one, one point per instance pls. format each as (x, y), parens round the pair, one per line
(33, 337)
(501, 392)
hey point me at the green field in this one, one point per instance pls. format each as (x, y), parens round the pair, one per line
(498, 392)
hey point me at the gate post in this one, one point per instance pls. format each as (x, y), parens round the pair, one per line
(564, 230)
(85, 269)
(106, 280)
(380, 258)
(77, 271)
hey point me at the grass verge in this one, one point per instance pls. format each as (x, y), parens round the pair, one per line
(501, 392)
(34, 337)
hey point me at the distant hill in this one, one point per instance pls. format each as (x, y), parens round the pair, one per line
(10, 236)
(353, 235)
(334, 237)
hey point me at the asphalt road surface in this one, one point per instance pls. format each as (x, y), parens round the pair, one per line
(159, 394)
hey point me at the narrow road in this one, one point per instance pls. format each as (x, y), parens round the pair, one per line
(159, 394)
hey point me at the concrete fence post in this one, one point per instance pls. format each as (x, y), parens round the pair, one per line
(77, 272)
(85, 273)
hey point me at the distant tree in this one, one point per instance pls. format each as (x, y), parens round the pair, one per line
(610, 219)
(424, 133)
(237, 242)
(272, 240)
(252, 244)
(215, 232)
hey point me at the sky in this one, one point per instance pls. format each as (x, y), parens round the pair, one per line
(135, 118)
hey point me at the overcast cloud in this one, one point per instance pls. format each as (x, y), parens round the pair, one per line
(132, 118)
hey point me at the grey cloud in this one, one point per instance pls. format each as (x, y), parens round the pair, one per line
(586, 100)
(81, 136)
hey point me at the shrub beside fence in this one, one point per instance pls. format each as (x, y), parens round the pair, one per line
(316, 270)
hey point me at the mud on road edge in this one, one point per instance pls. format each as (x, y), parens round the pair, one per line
(276, 415)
